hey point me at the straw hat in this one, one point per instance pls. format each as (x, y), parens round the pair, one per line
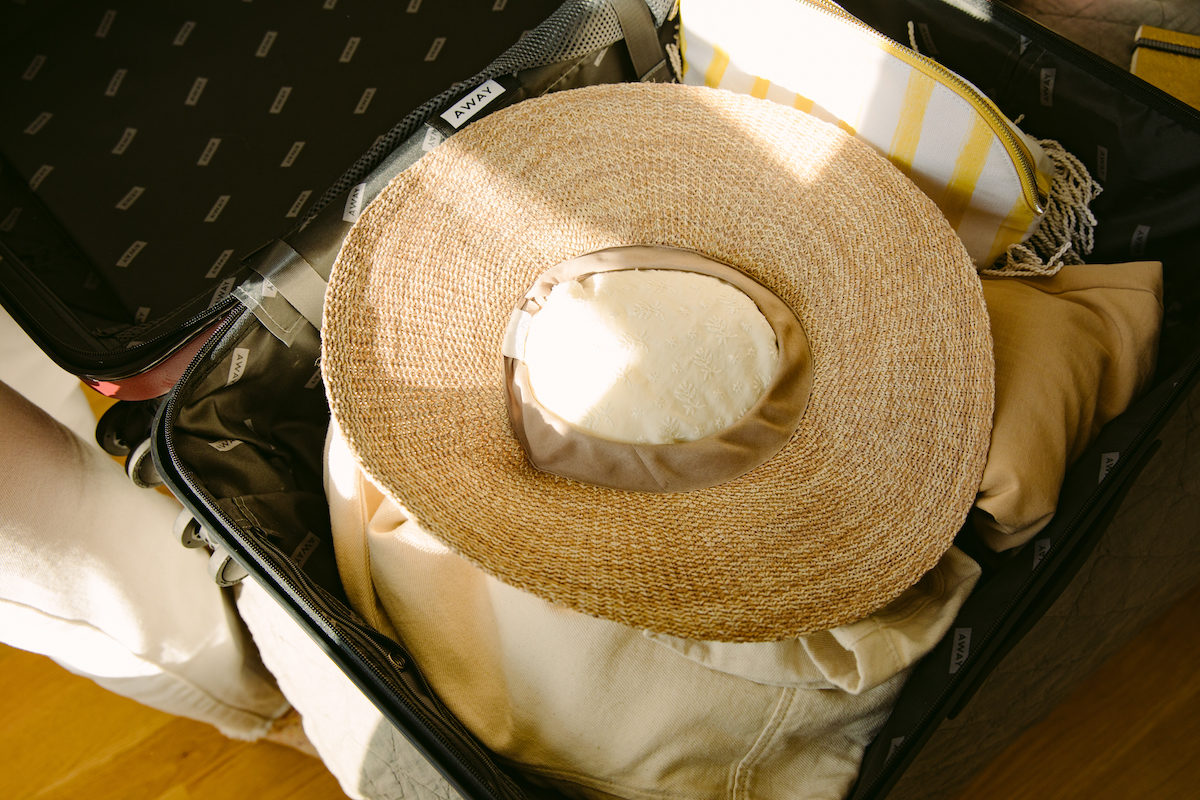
(839, 487)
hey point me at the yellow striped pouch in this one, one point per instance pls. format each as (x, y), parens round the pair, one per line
(990, 180)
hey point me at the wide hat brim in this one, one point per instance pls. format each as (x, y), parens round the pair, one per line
(884, 465)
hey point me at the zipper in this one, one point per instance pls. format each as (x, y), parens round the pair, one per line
(1018, 152)
(311, 602)
(112, 364)
(1167, 47)
(194, 323)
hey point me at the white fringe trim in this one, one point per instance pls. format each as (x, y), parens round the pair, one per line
(1066, 232)
(676, 60)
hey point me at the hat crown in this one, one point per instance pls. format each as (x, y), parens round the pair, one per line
(649, 356)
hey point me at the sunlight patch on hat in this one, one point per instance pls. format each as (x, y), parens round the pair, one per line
(649, 356)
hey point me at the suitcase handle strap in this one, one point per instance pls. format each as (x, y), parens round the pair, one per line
(641, 39)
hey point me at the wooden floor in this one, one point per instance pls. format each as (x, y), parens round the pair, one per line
(1132, 730)
(64, 738)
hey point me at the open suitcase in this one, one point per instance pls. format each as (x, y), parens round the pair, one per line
(229, 333)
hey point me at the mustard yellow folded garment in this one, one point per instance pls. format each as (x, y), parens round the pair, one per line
(1072, 351)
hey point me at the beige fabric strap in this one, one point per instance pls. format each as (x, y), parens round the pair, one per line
(556, 446)
(295, 279)
(641, 39)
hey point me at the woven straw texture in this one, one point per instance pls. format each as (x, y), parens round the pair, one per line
(883, 466)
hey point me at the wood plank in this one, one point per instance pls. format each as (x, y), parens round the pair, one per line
(62, 737)
(1130, 730)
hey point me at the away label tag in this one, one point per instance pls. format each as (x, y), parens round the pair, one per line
(480, 101)
(472, 103)
(354, 203)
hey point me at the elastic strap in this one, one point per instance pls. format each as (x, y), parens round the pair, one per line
(295, 279)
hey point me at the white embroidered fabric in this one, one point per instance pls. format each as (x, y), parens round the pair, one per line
(649, 356)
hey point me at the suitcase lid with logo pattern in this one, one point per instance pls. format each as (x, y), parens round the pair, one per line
(147, 150)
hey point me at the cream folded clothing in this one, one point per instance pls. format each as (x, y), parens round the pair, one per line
(90, 574)
(604, 710)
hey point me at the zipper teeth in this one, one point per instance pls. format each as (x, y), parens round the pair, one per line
(1017, 150)
(196, 321)
(1167, 47)
(210, 313)
(311, 601)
